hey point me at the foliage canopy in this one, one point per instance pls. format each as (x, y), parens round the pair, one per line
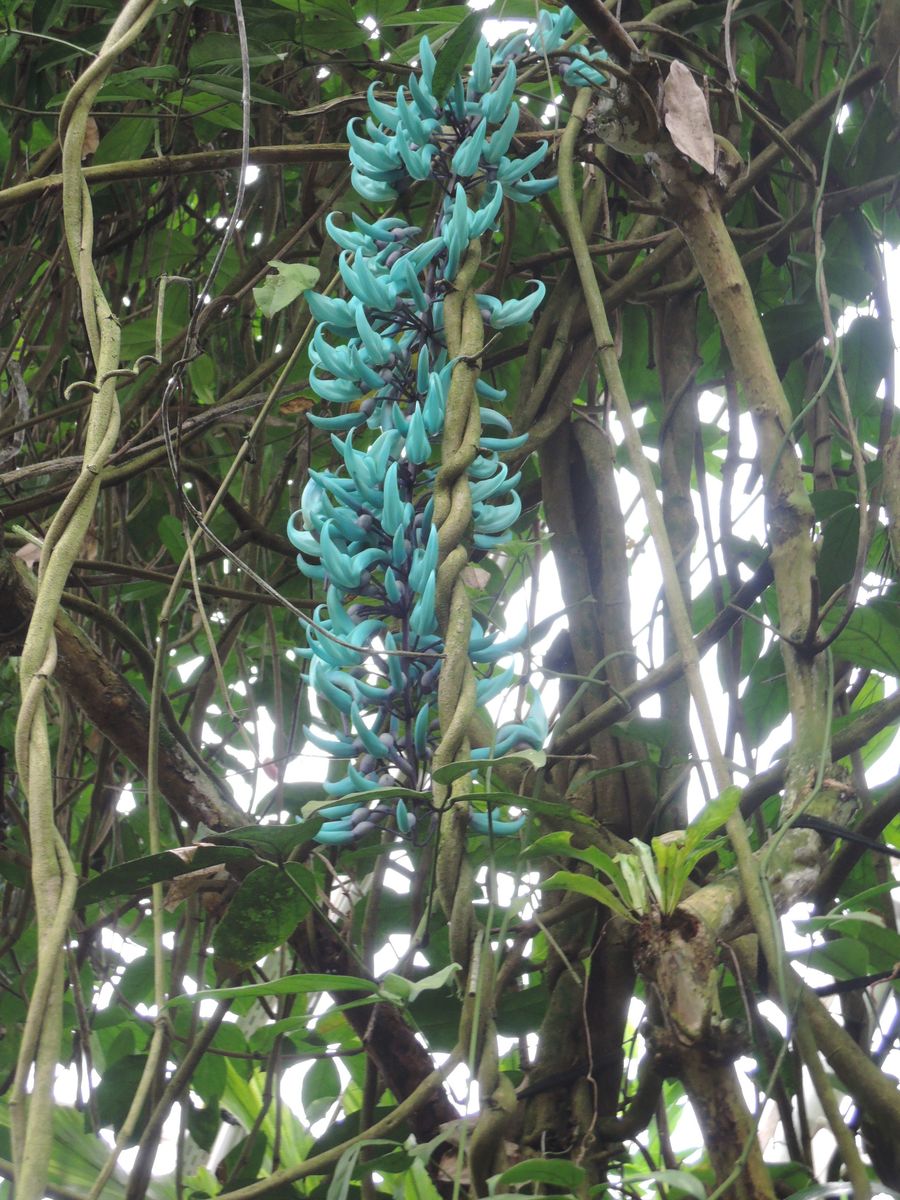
(703, 413)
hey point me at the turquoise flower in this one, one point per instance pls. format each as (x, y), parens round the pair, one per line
(366, 530)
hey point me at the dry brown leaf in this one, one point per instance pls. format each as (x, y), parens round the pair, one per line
(29, 554)
(296, 404)
(185, 885)
(475, 577)
(91, 138)
(90, 546)
(687, 117)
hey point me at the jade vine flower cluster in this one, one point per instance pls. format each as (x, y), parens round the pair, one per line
(366, 530)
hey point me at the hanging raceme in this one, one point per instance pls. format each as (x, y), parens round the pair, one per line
(368, 530)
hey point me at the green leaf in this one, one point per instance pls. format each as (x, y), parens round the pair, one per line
(554, 1171)
(223, 86)
(76, 1157)
(404, 991)
(203, 1125)
(127, 139)
(208, 1078)
(648, 865)
(281, 289)
(712, 817)
(837, 555)
(266, 909)
(651, 731)
(836, 1189)
(446, 14)
(456, 54)
(866, 351)
(871, 694)
(115, 1091)
(8, 45)
(321, 1087)
(584, 885)
(871, 637)
(764, 701)
(677, 1179)
(560, 843)
(129, 878)
(842, 958)
(826, 504)
(223, 49)
(207, 106)
(346, 1170)
(601, 773)
(791, 329)
(319, 807)
(288, 985)
(171, 535)
(267, 841)
(522, 1012)
(532, 758)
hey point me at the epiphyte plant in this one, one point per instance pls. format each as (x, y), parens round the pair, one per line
(367, 531)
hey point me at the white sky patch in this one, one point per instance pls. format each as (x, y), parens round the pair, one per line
(494, 31)
(126, 802)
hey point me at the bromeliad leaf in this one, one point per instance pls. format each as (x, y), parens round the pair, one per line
(712, 817)
(584, 885)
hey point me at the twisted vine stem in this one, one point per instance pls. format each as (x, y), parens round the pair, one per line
(452, 517)
(52, 872)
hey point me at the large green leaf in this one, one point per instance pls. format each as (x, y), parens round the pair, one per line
(288, 283)
(288, 985)
(76, 1158)
(129, 878)
(456, 53)
(558, 1172)
(127, 139)
(274, 842)
(871, 637)
(266, 909)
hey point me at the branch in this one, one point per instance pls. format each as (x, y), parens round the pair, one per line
(854, 737)
(611, 35)
(570, 741)
(169, 165)
(113, 706)
(871, 826)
